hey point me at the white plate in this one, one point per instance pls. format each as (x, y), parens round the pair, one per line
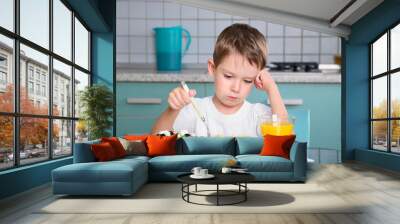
(208, 176)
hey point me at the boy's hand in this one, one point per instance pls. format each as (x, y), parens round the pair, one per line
(178, 98)
(264, 80)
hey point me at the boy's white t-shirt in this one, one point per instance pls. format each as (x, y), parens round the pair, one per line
(244, 122)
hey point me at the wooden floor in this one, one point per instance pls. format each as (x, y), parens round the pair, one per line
(380, 189)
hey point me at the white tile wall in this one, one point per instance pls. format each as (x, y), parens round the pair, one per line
(193, 49)
(137, 27)
(122, 44)
(123, 9)
(329, 45)
(206, 28)
(275, 45)
(191, 26)
(122, 27)
(260, 26)
(151, 24)
(173, 22)
(172, 10)
(138, 44)
(292, 45)
(154, 10)
(188, 12)
(311, 45)
(206, 14)
(137, 18)
(206, 45)
(292, 32)
(275, 30)
(220, 15)
(220, 25)
(137, 9)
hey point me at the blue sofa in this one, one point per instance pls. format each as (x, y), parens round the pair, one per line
(125, 176)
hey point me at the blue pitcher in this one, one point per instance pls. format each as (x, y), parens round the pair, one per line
(169, 47)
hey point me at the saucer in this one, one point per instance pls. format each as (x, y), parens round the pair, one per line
(208, 176)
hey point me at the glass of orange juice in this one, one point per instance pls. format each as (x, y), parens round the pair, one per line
(275, 125)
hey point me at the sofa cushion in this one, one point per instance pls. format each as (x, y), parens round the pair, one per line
(185, 163)
(206, 145)
(134, 147)
(277, 145)
(257, 163)
(116, 145)
(111, 171)
(249, 145)
(103, 151)
(135, 137)
(161, 145)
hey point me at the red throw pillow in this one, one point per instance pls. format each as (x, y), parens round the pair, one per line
(277, 145)
(116, 145)
(135, 137)
(161, 145)
(103, 151)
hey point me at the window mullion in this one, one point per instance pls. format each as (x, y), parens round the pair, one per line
(50, 81)
(389, 106)
(73, 83)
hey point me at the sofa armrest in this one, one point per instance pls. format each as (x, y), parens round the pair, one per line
(298, 155)
(83, 152)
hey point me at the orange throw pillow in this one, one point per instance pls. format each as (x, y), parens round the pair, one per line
(116, 145)
(135, 137)
(277, 145)
(161, 145)
(103, 151)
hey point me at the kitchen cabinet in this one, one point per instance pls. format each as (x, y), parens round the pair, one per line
(322, 101)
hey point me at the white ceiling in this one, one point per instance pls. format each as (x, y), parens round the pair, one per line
(316, 15)
(320, 9)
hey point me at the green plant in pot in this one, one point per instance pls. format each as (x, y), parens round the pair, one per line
(96, 102)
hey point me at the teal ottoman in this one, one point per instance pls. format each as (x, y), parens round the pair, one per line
(117, 177)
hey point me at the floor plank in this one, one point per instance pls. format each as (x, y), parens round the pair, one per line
(378, 190)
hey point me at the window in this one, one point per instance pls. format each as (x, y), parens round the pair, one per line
(6, 71)
(385, 94)
(62, 31)
(3, 72)
(30, 87)
(35, 21)
(38, 89)
(7, 14)
(54, 125)
(81, 45)
(3, 61)
(62, 74)
(37, 75)
(30, 72)
(43, 90)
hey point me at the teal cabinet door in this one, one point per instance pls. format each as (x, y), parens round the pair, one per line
(138, 118)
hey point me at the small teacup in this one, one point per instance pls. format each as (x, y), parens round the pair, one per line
(196, 170)
(226, 170)
(203, 172)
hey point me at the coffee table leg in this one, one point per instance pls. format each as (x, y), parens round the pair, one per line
(217, 194)
(196, 188)
(245, 191)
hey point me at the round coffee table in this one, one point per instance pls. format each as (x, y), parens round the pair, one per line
(238, 179)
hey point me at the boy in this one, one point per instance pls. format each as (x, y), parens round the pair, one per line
(238, 63)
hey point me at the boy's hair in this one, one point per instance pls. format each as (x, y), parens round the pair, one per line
(242, 39)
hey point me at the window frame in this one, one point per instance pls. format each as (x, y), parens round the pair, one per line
(15, 71)
(388, 74)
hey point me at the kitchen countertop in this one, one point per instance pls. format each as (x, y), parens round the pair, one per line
(201, 76)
